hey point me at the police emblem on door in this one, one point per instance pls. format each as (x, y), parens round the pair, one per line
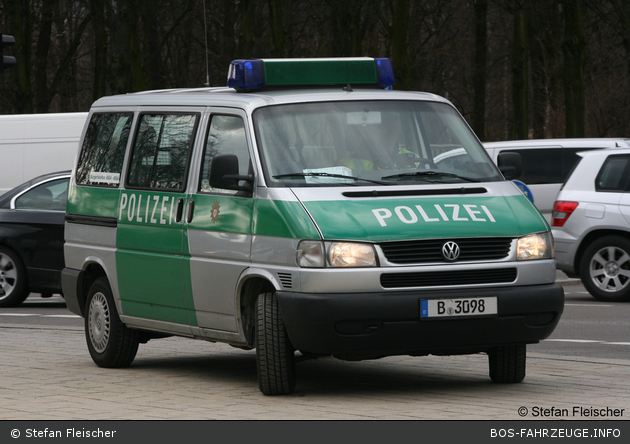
(450, 251)
(214, 213)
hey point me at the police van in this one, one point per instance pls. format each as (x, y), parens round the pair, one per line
(299, 212)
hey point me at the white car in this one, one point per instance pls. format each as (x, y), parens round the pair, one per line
(591, 224)
(548, 162)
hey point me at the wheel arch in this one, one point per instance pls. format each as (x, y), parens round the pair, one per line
(92, 270)
(588, 240)
(251, 285)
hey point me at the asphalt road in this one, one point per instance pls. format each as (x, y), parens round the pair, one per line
(584, 365)
(588, 327)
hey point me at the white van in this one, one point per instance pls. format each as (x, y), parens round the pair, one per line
(548, 162)
(36, 144)
(300, 210)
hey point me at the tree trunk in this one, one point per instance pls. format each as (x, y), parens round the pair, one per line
(519, 75)
(574, 60)
(479, 68)
(42, 94)
(400, 56)
(247, 31)
(278, 39)
(99, 27)
(20, 20)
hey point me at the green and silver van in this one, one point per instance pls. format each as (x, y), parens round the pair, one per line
(300, 211)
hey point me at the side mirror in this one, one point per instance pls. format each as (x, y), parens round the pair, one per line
(510, 165)
(224, 174)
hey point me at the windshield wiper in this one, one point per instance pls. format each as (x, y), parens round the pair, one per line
(435, 174)
(337, 176)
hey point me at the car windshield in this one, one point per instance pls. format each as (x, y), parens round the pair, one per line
(360, 143)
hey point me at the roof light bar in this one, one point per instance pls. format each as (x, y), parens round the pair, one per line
(254, 74)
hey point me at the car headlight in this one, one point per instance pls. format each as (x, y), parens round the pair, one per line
(318, 254)
(351, 254)
(535, 246)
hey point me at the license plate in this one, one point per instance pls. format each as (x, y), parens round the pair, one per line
(445, 308)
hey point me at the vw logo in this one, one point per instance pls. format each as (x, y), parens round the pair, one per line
(450, 251)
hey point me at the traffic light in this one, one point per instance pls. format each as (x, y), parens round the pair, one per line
(7, 61)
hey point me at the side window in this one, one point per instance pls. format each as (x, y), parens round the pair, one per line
(541, 166)
(161, 151)
(103, 150)
(613, 175)
(226, 135)
(570, 160)
(50, 196)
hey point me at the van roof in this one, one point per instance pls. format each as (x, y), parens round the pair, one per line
(228, 97)
(601, 142)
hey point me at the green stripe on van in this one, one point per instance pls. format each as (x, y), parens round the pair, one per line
(93, 201)
(283, 219)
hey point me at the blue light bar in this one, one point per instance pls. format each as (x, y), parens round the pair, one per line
(246, 74)
(385, 73)
(255, 74)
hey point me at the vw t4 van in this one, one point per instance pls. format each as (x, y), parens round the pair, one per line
(298, 211)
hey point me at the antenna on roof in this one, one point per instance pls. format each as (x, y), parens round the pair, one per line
(205, 38)
(348, 87)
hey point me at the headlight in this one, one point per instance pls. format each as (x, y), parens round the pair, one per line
(350, 254)
(310, 254)
(535, 246)
(316, 254)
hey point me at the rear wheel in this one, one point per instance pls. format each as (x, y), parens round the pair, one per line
(605, 269)
(507, 363)
(110, 342)
(274, 353)
(13, 282)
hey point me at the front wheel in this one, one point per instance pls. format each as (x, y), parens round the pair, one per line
(110, 342)
(274, 353)
(605, 269)
(507, 363)
(13, 283)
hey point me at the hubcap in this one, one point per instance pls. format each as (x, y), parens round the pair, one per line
(610, 269)
(99, 322)
(8, 276)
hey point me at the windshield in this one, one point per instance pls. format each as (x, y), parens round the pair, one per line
(361, 143)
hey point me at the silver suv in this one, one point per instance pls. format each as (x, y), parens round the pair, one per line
(591, 224)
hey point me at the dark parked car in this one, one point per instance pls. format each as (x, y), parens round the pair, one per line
(31, 238)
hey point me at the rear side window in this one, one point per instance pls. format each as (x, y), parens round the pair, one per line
(161, 151)
(541, 166)
(103, 150)
(613, 175)
(548, 165)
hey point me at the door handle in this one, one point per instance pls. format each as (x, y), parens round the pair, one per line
(190, 210)
(180, 210)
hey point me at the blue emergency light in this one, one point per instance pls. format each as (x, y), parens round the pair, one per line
(255, 74)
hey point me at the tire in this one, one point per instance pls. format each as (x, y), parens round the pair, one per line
(605, 269)
(13, 280)
(274, 354)
(507, 363)
(110, 342)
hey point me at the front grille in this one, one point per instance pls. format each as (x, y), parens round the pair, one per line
(423, 251)
(443, 278)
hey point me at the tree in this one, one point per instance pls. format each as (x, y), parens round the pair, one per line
(520, 72)
(573, 48)
(479, 68)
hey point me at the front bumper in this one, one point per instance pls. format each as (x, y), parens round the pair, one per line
(381, 324)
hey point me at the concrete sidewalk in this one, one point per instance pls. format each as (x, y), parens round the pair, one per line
(47, 374)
